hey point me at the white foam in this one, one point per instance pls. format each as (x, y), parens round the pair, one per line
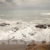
(25, 31)
(45, 13)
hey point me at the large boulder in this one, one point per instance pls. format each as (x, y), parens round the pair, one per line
(33, 46)
(41, 26)
(48, 25)
(4, 24)
(41, 47)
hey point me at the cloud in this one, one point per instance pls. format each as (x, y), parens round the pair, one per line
(2, 0)
(24, 4)
(9, 1)
(33, 4)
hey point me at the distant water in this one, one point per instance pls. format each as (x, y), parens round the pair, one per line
(26, 15)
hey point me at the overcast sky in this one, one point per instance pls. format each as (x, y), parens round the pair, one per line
(24, 5)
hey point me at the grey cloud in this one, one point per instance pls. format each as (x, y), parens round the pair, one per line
(41, 4)
(1, 2)
(9, 1)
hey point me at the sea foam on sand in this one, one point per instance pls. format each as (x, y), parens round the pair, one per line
(26, 31)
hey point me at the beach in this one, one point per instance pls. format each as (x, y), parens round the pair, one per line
(24, 31)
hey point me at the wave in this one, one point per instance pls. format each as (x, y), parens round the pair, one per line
(21, 30)
(45, 13)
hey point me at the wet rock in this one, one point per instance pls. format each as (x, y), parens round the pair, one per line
(24, 35)
(48, 25)
(4, 24)
(18, 23)
(31, 34)
(15, 29)
(41, 26)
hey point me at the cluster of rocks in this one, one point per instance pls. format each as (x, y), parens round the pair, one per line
(4, 24)
(33, 46)
(44, 26)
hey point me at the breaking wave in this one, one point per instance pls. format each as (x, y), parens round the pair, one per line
(21, 30)
(45, 13)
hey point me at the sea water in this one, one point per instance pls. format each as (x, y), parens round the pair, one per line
(26, 15)
(25, 21)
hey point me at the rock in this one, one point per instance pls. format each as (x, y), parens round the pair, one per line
(18, 23)
(48, 25)
(31, 34)
(4, 24)
(24, 35)
(41, 47)
(30, 46)
(33, 46)
(15, 29)
(41, 26)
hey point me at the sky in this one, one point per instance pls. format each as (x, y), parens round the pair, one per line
(24, 5)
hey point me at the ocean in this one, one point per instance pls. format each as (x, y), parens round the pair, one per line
(26, 15)
(20, 25)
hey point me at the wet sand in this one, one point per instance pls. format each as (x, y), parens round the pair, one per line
(12, 47)
(4, 46)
